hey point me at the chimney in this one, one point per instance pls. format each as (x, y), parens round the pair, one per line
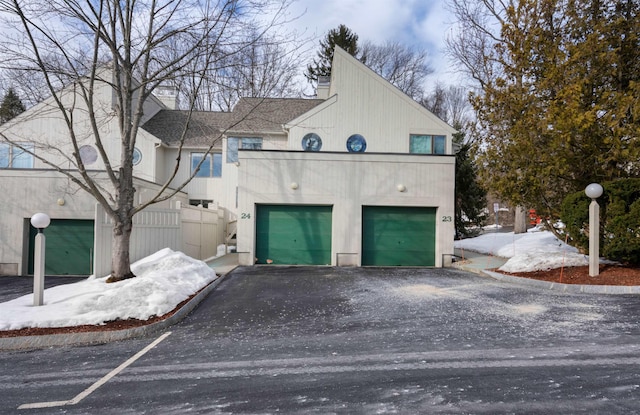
(322, 91)
(168, 95)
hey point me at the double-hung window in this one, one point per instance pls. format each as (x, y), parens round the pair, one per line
(15, 157)
(246, 143)
(210, 167)
(427, 144)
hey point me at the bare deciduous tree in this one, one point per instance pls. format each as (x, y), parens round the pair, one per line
(451, 104)
(78, 46)
(404, 67)
(266, 67)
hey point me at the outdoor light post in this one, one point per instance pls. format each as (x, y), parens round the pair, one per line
(594, 191)
(39, 221)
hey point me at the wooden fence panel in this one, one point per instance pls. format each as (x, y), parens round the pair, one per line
(195, 231)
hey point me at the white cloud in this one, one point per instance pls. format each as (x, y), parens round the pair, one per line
(422, 24)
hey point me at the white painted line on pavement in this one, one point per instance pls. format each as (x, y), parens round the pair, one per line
(100, 382)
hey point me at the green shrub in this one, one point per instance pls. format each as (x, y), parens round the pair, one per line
(619, 220)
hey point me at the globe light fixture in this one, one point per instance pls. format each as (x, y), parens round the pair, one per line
(594, 191)
(39, 221)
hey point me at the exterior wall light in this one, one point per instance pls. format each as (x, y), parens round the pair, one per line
(294, 186)
(594, 191)
(39, 221)
(401, 188)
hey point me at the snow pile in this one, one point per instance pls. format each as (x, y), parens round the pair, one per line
(531, 251)
(163, 280)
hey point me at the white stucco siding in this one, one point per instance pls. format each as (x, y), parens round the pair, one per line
(32, 192)
(364, 103)
(44, 125)
(201, 188)
(222, 190)
(347, 182)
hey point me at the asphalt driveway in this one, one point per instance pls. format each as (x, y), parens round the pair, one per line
(358, 340)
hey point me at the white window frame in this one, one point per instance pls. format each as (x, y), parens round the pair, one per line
(432, 149)
(15, 153)
(236, 143)
(206, 172)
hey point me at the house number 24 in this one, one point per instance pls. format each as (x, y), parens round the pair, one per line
(245, 216)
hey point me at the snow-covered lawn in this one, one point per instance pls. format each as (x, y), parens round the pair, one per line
(163, 281)
(167, 278)
(532, 251)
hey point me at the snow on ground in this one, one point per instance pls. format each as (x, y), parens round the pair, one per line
(163, 280)
(167, 278)
(532, 251)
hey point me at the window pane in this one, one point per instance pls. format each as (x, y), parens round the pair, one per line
(252, 143)
(420, 144)
(217, 164)
(232, 150)
(439, 144)
(22, 159)
(4, 155)
(205, 168)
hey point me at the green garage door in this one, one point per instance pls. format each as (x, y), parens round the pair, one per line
(69, 247)
(287, 234)
(398, 236)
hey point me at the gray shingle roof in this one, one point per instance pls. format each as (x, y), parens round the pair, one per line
(250, 116)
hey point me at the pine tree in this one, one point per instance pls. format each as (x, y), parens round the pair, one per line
(11, 106)
(562, 110)
(470, 196)
(341, 36)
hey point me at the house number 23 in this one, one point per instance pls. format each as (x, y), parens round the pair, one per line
(447, 219)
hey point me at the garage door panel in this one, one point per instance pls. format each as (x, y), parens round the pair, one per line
(288, 234)
(398, 236)
(68, 249)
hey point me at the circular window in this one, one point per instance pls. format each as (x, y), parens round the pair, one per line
(137, 156)
(88, 155)
(311, 142)
(356, 144)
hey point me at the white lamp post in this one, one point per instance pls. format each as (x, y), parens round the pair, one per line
(39, 221)
(594, 191)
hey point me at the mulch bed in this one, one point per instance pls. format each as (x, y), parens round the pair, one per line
(609, 275)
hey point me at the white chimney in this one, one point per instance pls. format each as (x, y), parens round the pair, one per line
(168, 95)
(322, 91)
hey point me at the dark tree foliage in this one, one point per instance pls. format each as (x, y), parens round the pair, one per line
(619, 219)
(11, 106)
(557, 104)
(470, 197)
(341, 36)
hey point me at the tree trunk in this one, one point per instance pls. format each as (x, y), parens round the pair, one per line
(520, 223)
(120, 261)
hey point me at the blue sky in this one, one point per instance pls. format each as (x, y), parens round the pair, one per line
(423, 23)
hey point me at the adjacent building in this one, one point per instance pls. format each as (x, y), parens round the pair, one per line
(361, 175)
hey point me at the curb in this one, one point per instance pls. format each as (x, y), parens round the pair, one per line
(567, 288)
(100, 337)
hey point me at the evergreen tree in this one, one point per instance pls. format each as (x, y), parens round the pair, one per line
(559, 108)
(341, 36)
(11, 106)
(470, 196)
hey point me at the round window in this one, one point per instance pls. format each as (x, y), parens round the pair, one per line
(137, 156)
(88, 155)
(311, 142)
(356, 144)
